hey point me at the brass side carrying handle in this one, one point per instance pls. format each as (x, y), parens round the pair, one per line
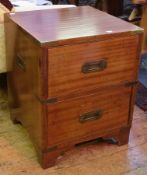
(94, 66)
(94, 115)
(20, 63)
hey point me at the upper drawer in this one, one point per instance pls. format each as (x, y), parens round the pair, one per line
(77, 68)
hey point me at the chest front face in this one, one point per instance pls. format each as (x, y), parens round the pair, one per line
(90, 82)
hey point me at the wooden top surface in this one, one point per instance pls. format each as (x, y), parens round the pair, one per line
(58, 25)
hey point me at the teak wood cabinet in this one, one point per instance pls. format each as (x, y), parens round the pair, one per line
(72, 76)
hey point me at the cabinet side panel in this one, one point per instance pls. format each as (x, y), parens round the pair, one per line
(24, 84)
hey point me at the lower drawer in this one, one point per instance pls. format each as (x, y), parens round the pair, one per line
(97, 113)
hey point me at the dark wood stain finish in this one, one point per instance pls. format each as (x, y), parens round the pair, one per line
(63, 26)
(51, 95)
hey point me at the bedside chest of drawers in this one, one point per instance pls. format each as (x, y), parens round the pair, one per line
(72, 76)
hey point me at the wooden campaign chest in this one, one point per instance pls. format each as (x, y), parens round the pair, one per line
(72, 76)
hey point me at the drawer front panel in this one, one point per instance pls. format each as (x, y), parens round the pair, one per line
(97, 113)
(78, 68)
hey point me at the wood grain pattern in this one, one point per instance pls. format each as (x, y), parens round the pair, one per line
(47, 62)
(61, 26)
(65, 64)
(65, 115)
(84, 160)
(24, 86)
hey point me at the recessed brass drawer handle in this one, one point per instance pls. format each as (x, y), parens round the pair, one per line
(20, 63)
(94, 66)
(94, 115)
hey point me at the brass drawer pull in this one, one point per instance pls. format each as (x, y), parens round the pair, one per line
(20, 63)
(94, 66)
(94, 115)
